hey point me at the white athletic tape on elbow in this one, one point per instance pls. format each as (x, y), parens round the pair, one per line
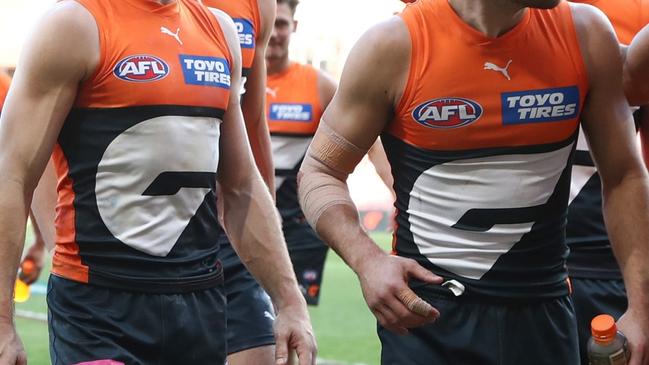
(328, 162)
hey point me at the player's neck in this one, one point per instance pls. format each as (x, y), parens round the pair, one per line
(490, 17)
(278, 65)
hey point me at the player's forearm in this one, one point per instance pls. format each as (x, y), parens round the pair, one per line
(328, 207)
(259, 138)
(44, 205)
(626, 209)
(341, 229)
(254, 229)
(14, 205)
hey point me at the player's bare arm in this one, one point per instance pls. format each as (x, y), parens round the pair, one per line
(254, 99)
(370, 87)
(42, 215)
(254, 228)
(609, 128)
(61, 52)
(326, 88)
(636, 69)
(636, 87)
(44, 206)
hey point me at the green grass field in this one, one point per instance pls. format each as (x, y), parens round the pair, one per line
(344, 327)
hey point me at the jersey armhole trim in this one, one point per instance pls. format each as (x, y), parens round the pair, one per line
(413, 68)
(101, 65)
(578, 56)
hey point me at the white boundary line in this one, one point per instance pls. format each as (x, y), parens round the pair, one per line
(31, 315)
(334, 362)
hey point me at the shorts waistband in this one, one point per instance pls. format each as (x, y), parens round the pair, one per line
(157, 285)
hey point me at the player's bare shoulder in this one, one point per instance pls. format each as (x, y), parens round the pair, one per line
(380, 60)
(591, 25)
(232, 38)
(597, 40)
(267, 10)
(229, 31)
(66, 39)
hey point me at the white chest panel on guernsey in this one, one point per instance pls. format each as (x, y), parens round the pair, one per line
(288, 152)
(446, 192)
(135, 159)
(580, 174)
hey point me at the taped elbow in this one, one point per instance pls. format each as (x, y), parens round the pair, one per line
(323, 174)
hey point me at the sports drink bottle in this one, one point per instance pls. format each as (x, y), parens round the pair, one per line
(607, 346)
(21, 289)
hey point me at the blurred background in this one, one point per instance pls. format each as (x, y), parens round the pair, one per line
(326, 32)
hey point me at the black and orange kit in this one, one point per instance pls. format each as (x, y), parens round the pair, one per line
(293, 111)
(250, 311)
(136, 277)
(481, 147)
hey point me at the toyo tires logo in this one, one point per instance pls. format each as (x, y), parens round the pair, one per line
(447, 113)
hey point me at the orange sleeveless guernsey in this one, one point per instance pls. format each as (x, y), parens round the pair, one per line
(627, 16)
(5, 80)
(137, 156)
(245, 14)
(481, 147)
(293, 111)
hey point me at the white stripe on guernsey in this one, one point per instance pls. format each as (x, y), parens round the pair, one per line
(580, 174)
(153, 224)
(288, 151)
(444, 193)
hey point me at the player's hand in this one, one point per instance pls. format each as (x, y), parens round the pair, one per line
(635, 326)
(11, 348)
(293, 331)
(384, 280)
(35, 254)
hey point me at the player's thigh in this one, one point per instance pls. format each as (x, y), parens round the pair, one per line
(88, 323)
(264, 355)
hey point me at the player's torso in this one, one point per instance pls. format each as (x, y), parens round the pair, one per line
(480, 149)
(246, 17)
(591, 254)
(138, 154)
(293, 111)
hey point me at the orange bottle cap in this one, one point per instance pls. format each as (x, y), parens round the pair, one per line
(28, 266)
(603, 328)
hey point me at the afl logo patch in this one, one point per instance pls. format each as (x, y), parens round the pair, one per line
(447, 113)
(141, 68)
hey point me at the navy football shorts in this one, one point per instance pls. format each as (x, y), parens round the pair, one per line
(471, 331)
(97, 325)
(250, 313)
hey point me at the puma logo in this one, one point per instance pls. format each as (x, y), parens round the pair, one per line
(176, 35)
(502, 70)
(272, 92)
